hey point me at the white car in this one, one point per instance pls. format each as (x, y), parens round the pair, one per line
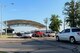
(26, 35)
(50, 34)
(70, 34)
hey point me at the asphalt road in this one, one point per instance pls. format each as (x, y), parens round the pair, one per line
(37, 45)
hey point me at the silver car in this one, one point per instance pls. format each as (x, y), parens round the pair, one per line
(27, 35)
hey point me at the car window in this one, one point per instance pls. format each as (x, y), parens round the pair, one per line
(62, 31)
(67, 31)
(76, 30)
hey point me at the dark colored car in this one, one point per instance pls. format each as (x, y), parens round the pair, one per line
(18, 34)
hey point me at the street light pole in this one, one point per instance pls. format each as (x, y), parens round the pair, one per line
(1, 18)
(46, 22)
(64, 23)
(6, 28)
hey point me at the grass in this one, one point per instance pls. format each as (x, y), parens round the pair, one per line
(3, 52)
(6, 36)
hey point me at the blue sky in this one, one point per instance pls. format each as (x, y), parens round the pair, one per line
(36, 10)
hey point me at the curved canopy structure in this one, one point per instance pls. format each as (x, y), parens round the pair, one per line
(25, 22)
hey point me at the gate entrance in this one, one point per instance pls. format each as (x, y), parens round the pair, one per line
(10, 23)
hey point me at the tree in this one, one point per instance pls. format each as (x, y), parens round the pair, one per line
(55, 23)
(72, 13)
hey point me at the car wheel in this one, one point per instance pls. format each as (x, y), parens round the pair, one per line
(57, 38)
(30, 37)
(72, 40)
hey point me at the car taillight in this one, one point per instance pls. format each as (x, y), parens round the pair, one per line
(78, 33)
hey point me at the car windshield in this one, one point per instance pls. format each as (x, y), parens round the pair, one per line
(27, 33)
(76, 30)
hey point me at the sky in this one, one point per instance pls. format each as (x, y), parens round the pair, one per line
(35, 10)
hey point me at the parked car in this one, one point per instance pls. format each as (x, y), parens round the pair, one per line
(38, 34)
(18, 34)
(70, 34)
(46, 34)
(49, 34)
(26, 35)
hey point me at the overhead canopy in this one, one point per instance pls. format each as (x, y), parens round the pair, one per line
(25, 22)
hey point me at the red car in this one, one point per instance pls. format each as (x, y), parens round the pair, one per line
(38, 34)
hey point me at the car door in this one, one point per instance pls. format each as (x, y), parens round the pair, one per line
(64, 34)
(60, 34)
